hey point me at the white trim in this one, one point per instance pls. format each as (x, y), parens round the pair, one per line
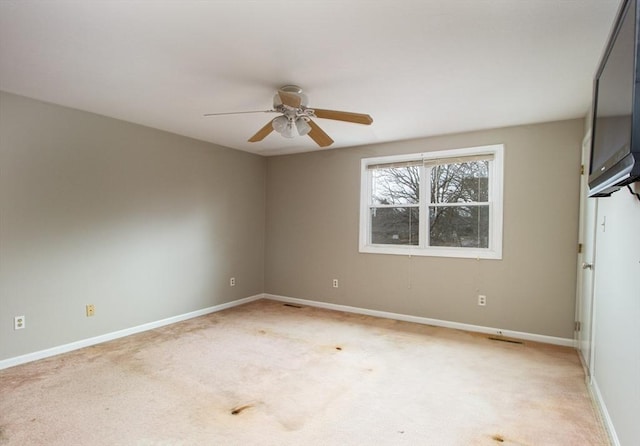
(432, 251)
(29, 357)
(604, 413)
(496, 185)
(566, 342)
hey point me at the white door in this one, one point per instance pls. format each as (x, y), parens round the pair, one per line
(587, 235)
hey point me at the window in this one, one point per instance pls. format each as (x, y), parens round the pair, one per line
(446, 203)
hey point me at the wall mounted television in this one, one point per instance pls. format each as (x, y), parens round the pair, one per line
(615, 139)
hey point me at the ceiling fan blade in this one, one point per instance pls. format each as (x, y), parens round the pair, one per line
(240, 113)
(263, 132)
(358, 118)
(290, 99)
(318, 135)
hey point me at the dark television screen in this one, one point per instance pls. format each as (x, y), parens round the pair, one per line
(613, 161)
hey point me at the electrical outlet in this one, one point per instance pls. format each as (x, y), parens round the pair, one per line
(335, 283)
(91, 310)
(232, 281)
(482, 300)
(19, 322)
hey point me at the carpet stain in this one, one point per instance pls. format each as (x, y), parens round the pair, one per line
(501, 439)
(238, 409)
(299, 364)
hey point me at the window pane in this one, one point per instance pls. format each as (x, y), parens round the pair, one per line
(397, 185)
(460, 182)
(394, 226)
(459, 226)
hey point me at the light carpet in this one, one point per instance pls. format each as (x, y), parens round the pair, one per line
(266, 373)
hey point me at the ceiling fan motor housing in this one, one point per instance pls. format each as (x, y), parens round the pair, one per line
(291, 89)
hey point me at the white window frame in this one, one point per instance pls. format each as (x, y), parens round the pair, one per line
(496, 173)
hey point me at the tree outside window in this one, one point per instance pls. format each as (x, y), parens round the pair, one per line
(395, 214)
(435, 201)
(458, 215)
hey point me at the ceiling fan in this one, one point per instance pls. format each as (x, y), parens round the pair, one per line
(295, 117)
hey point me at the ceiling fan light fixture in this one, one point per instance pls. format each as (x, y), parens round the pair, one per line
(280, 124)
(285, 126)
(290, 131)
(303, 126)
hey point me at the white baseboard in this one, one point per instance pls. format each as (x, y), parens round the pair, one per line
(604, 413)
(566, 342)
(10, 362)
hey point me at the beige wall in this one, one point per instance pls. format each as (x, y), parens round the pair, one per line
(312, 236)
(147, 225)
(144, 224)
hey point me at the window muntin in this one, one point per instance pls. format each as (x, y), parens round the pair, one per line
(446, 203)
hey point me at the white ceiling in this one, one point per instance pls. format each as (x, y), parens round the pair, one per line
(418, 67)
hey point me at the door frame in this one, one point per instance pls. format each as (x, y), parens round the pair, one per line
(587, 223)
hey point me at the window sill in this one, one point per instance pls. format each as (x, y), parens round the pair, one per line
(465, 253)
